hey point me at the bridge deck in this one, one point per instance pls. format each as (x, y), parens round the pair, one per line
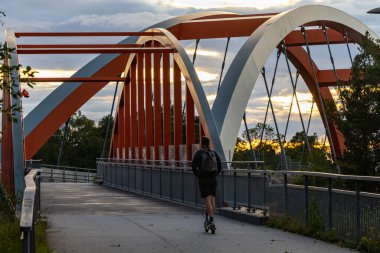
(93, 218)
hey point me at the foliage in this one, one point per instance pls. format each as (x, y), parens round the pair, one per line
(8, 83)
(369, 245)
(296, 152)
(358, 116)
(10, 237)
(83, 143)
(258, 130)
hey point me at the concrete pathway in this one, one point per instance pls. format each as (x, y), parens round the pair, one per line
(93, 218)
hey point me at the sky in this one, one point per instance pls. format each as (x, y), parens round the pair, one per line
(134, 15)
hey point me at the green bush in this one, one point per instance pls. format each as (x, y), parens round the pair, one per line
(369, 245)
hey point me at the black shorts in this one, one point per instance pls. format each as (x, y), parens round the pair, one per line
(207, 188)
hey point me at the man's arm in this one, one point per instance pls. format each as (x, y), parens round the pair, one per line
(194, 163)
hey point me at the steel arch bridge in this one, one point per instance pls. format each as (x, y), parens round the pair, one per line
(154, 103)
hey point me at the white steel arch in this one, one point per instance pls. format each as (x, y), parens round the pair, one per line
(237, 86)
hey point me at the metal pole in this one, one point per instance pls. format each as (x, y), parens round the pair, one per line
(357, 190)
(222, 185)
(306, 200)
(286, 192)
(234, 190)
(182, 185)
(308, 126)
(151, 179)
(194, 57)
(249, 192)
(270, 94)
(290, 109)
(160, 182)
(330, 202)
(224, 61)
(328, 46)
(294, 86)
(250, 141)
(348, 47)
(109, 122)
(128, 176)
(265, 194)
(274, 118)
(323, 112)
(63, 142)
(170, 184)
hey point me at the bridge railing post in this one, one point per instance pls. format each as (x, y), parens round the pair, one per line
(330, 222)
(249, 192)
(357, 209)
(183, 184)
(235, 205)
(286, 192)
(306, 178)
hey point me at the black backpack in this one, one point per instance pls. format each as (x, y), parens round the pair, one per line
(208, 164)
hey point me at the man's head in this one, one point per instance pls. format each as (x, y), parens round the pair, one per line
(205, 142)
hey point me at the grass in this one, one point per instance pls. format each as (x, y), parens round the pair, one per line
(368, 245)
(10, 233)
(10, 237)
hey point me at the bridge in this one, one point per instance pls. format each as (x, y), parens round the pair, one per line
(162, 110)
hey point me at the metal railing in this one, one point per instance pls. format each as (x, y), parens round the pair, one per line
(349, 211)
(54, 173)
(30, 209)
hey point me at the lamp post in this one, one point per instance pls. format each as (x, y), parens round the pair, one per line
(374, 11)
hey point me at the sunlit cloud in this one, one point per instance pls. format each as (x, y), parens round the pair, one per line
(201, 4)
(51, 73)
(205, 76)
(201, 52)
(137, 20)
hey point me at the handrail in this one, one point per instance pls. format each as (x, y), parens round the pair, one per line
(262, 172)
(66, 167)
(30, 209)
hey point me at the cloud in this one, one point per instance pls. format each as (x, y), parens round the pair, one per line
(126, 21)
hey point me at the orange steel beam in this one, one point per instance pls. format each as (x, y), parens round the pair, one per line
(218, 28)
(166, 102)
(134, 130)
(96, 51)
(47, 127)
(116, 139)
(315, 37)
(327, 78)
(73, 79)
(44, 46)
(141, 109)
(148, 105)
(157, 105)
(127, 129)
(245, 26)
(83, 34)
(300, 60)
(121, 121)
(177, 109)
(190, 124)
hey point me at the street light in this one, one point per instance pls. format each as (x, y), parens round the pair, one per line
(374, 11)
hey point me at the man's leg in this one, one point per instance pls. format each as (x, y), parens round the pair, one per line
(213, 203)
(209, 206)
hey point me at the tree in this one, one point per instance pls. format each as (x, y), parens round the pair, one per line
(358, 117)
(255, 132)
(299, 137)
(83, 144)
